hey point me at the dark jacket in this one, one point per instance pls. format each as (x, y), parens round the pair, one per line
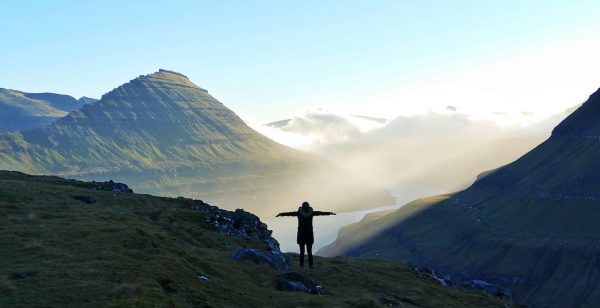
(305, 227)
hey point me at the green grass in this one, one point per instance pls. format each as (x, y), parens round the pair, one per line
(143, 251)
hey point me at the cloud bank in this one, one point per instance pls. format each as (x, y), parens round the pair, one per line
(417, 155)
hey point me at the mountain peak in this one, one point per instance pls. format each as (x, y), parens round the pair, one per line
(167, 76)
(168, 72)
(161, 81)
(582, 123)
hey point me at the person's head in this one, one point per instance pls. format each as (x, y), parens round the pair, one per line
(305, 205)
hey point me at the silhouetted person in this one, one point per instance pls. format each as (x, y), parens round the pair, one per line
(305, 235)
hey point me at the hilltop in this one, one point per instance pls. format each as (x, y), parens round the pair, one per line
(70, 243)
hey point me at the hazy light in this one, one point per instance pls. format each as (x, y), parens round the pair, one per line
(517, 89)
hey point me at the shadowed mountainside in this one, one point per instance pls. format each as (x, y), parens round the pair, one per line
(532, 226)
(21, 111)
(132, 250)
(164, 135)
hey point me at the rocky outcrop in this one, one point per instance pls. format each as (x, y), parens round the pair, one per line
(237, 223)
(111, 186)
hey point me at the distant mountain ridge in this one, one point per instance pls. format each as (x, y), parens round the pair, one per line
(21, 111)
(532, 226)
(163, 134)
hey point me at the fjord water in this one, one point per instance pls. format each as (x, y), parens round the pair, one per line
(326, 228)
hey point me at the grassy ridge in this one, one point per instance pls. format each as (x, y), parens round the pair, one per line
(141, 250)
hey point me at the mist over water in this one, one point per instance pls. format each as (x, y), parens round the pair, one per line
(326, 227)
(413, 156)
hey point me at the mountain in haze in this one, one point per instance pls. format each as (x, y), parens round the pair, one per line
(163, 134)
(279, 124)
(21, 111)
(416, 155)
(532, 226)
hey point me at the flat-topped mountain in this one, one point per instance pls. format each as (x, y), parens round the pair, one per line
(532, 226)
(21, 111)
(164, 135)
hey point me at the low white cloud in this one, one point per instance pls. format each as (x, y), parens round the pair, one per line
(419, 154)
(318, 128)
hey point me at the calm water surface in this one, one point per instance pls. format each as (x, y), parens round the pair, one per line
(326, 227)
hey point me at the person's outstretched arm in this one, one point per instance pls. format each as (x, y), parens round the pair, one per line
(319, 213)
(287, 214)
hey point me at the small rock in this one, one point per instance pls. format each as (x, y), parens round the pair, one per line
(203, 278)
(441, 281)
(297, 282)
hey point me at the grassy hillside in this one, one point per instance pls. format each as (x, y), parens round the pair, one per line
(532, 226)
(374, 226)
(164, 135)
(140, 250)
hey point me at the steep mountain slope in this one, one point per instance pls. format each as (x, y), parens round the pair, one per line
(131, 250)
(532, 225)
(162, 134)
(21, 111)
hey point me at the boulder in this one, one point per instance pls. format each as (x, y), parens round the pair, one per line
(274, 259)
(297, 282)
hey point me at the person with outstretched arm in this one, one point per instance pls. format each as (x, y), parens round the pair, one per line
(305, 236)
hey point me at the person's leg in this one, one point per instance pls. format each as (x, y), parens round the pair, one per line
(301, 255)
(310, 257)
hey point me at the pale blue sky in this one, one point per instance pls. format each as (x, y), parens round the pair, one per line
(268, 59)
